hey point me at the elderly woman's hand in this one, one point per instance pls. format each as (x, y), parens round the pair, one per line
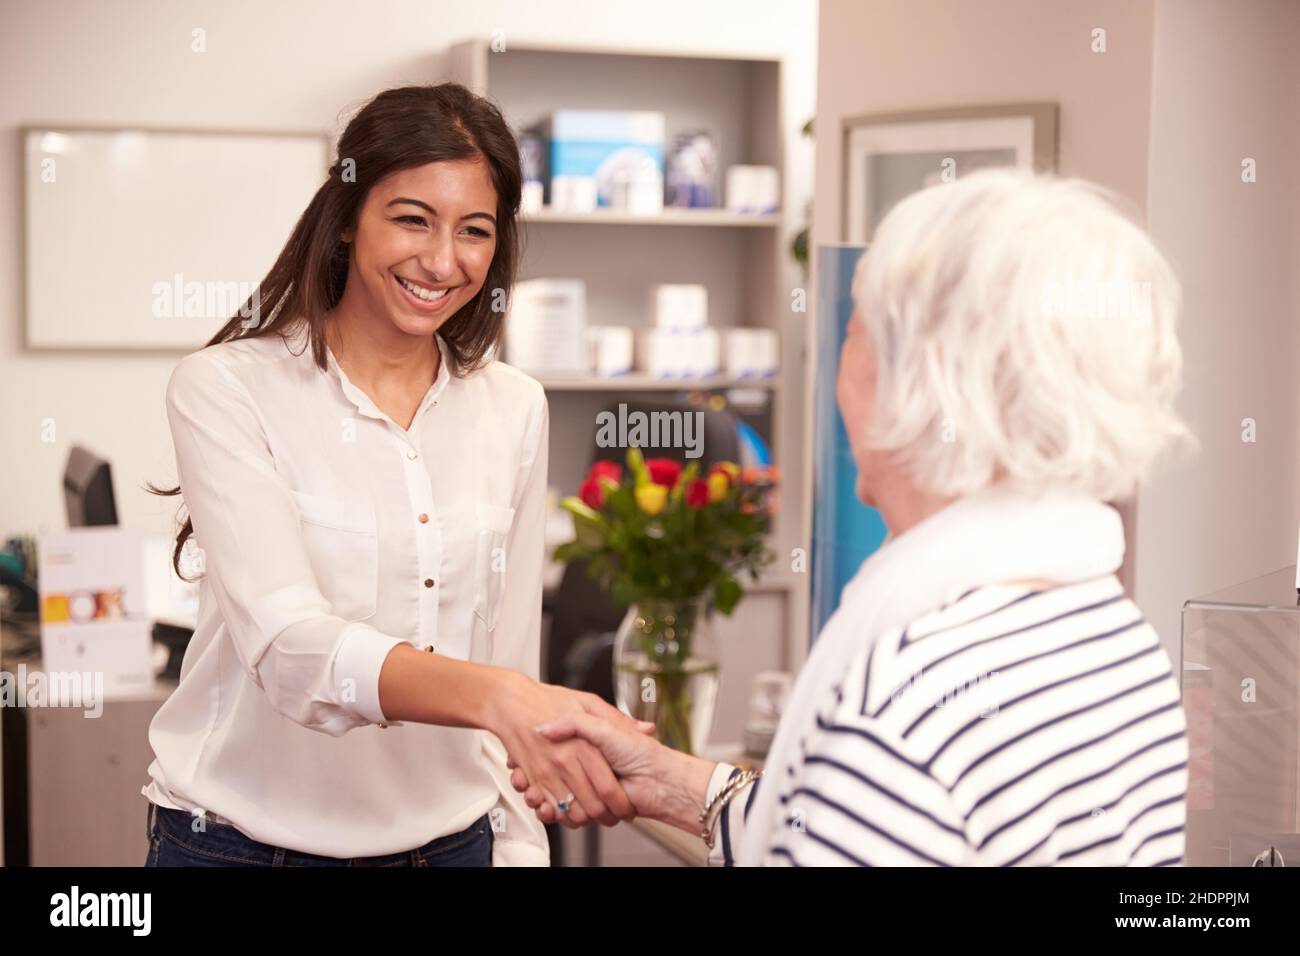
(662, 784)
(563, 769)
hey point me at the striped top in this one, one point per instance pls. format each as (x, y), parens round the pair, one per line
(1011, 726)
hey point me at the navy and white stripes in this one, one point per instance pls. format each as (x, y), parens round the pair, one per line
(1012, 726)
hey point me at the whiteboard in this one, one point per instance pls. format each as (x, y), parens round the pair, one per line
(154, 240)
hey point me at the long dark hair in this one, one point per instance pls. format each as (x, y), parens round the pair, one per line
(398, 129)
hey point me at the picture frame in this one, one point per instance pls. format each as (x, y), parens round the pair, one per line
(890, 155)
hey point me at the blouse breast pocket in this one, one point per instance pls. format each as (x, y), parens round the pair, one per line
(342, 542)
(493, 527)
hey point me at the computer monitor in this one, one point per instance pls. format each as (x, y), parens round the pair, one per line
(88, 490)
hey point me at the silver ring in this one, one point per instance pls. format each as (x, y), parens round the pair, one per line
(563, 805)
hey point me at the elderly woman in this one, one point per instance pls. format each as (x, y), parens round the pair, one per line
(985, 694)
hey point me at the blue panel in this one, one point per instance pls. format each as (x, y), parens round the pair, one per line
(845, 531)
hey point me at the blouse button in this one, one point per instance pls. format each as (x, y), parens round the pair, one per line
(412, 454)
(428, 582)
(424, 519)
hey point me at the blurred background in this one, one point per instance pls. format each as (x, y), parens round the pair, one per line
(702, 268)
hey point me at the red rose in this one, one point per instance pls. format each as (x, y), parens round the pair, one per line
(592, 494)
(605, 469)
(697, 493)
(664, 471)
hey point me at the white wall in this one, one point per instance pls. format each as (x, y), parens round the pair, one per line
(1227, 86)
(287, 65)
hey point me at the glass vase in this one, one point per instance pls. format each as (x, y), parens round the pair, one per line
(666, 670)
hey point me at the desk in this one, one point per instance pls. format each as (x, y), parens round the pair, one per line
(72, 783)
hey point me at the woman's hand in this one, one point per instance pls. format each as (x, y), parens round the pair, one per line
(663, 784)
(559, 767)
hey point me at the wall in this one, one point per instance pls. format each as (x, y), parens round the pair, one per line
(1227, 86)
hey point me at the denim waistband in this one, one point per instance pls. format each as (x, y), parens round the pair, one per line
(223, 840)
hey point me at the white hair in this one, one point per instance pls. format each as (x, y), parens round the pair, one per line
(1023, 331)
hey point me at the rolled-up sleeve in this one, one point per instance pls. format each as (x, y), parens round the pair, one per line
(316, 668)
(520, 839)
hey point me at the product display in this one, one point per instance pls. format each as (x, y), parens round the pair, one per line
(693, 170)
(751, 353)
(547, 328)
(611, 349)
(615, 157)
(753, 190)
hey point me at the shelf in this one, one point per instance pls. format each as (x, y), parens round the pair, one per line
(669, 217)
(640, 382)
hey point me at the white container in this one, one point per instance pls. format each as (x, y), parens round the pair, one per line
(750, 353)
(531, 198)
(611, 349)
(546, 330)
(753, 189)
(679, 353)
(704, 353)
(679, 307)
(659, 353)
(573, 193)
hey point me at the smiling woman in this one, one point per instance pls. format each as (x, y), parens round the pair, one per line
(350, 583)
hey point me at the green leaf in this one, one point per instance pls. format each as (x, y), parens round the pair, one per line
(726, 594)
(580, 509)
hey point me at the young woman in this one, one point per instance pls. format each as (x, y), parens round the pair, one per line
(366, 490)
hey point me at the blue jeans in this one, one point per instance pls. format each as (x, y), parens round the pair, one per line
(173, 842)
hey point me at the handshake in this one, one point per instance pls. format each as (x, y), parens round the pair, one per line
(586, 762)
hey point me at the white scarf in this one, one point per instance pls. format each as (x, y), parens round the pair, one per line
(993, 536)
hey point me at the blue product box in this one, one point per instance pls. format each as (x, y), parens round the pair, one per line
(598, 143)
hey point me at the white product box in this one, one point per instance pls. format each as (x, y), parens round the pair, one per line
(611, 349)
(679, 307)
(751, 353)
(679, 353)
(96, 635)
(573, 193)
(546, 330)
(531, 198)
(753, 189)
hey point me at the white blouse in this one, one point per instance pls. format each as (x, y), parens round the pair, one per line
(328, 535)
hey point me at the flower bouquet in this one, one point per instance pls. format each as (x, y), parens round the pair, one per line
(671, 545)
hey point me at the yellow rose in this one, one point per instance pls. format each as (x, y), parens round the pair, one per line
(731, 468)
(651, 498)
(718, 486)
